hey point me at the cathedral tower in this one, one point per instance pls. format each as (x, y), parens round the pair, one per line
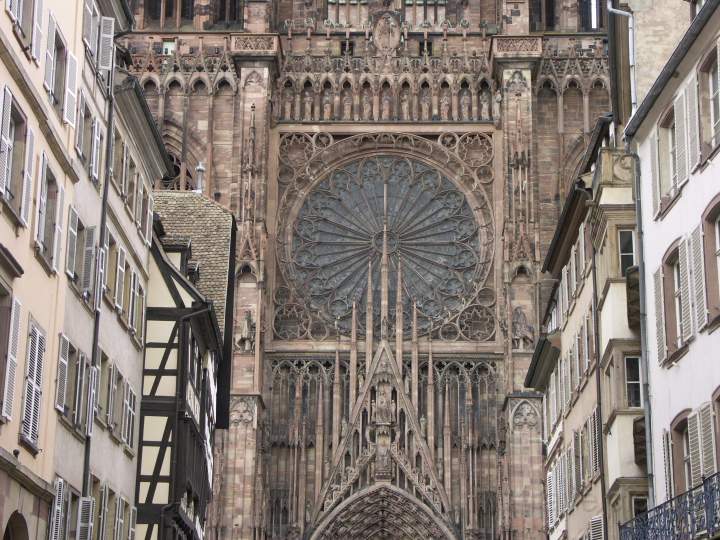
(395, 168)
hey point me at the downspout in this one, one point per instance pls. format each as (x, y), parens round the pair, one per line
(631, 50)
(647, 407)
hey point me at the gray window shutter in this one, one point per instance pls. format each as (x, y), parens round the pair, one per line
(549, 496)
(28, 170)
(71, 254)
(37, 33)
(107, 43)
(58, 228)
(100, 278)
(149, 223)
(86, 519)
(49, 81)
(102, 513)
(706, 415)
(95, 151)
(596, 531)
(79, 411)
(57, 515)
(41, 203)
(87, 24)
(120, 279)
(687, 326)
(693, 123)
(659, 316)
(112, 389)
(132, 524)
(70, 102)
(88, 260)
(62, 373)
(668, 465)
(91, 399)
(571, 474)
(693, 427)
(698, 270)
(680, 139)
(5, 142)
(80, 124)
(131, 300)
(655, 171)
(8, 396)
(33, 384)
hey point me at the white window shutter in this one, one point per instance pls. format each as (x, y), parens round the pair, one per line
(112, 388)
(149, 223)
(571, 473)
(119, 518)
(91, 399)
(49, 80)
(655, 172)
(102, 513)
(62, 373)
(706, 415)
(5, 142)
(80, 124)
(123, 426)
(70, 102)
(132, 524)
(120, 279)
(88, 260)
(577, 446)
(687, 326)
(86, 519)
(668, 465)
(100, 278)
(131, 300)
(57, 515)
(79, 411)
(37, 33)
(28, 170)
(659, 316)
(107, 43)
(680, 139)
(125, 165)
(57, 238)
(596, 528)
(71, 254)
(8, 396)
(33, 384)
(693, 427)
(87, 23)
(698, 271)
(95, 152)
(549, 497)
(693, 123)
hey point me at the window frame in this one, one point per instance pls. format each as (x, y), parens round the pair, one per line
(620, 232)
(637, 382)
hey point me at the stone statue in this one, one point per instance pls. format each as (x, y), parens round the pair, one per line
(327, 106)
(386, 106)
(361, 380)
(465, 109)
(289, 98)
(423, 426)
(445, 105)
(523, 333)
(384, 413)
(367, 105)
(308, 102)
(347, 106)
(485, 105)
(343, 428)
(405, 105)
(425, 103)
(246, 333)
(496, 105)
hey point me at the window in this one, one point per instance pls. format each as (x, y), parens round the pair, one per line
(673, 315)
(48, 219)
(633, 384)
(131, 179)
(118, 161)
(709, 98)
(139, 319)
(96, 153)
(696, 7)
(103, 387)
(76, 392)
(71, 515)
(30, 426)
(639, 505)
(17, 159)
(10, 321)
(27, 19)
(128, 418)
(83, 129)
(98, 36)
(626, 246)
(60, 74)
(591, 15)
(677, 299)
(110, 275)
(80, 258)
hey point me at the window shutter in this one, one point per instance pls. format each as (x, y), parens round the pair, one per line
(123, 174)
(11, 364)
(654, 171)
(87, 23)
(595, 440)
(70, 103)
(33, 384)
(91, 399)
(577, 446)
(571, 474)
(681, 157)
(693, 427)
(131, 300)
(48, 83)
(71, 254)
(112, 388)
(57, 518)
(119, 518)
(125, 414)
(88, 260)
(62, 373)
(26, 201)
(706, 415)
(80, 124)
(659, 316)
(120, 279)
(86, 519)
(596, 528)
(668, 465)
(132, 524)
(132, 402)
(79, 411)
(687, 326)
(5, 138)
(149, 223)
(107, 43)
(14, 9)
(100, 278)
(698, 271)
(102, 513)
(693, 123)
(35, 50)
(95, 153)
(549, 497)
(58, 228)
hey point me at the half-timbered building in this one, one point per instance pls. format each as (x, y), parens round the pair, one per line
(184, 377)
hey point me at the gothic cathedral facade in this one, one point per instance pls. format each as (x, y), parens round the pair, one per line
(396, 168)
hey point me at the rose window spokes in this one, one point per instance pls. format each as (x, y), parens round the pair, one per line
(432, 234)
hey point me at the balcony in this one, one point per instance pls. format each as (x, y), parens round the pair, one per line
(693, 514)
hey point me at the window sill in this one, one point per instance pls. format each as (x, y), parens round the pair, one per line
(12, 213)
(707, 156)
(713, 320)
(71, 427)
(676, 354)
(22, 39)
(44, 262)
(668, 200)
(30, 446)
(81, 296)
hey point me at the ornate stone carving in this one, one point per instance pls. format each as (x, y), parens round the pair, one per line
(524, 417)
(242, 410)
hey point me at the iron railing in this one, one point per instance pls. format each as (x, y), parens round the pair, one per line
(693, 514)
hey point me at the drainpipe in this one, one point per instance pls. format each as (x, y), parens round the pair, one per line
(647, 407)
(631, 50)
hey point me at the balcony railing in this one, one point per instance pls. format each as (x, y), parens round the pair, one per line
(693, 514)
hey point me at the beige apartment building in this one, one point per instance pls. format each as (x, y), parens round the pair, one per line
(64, 265)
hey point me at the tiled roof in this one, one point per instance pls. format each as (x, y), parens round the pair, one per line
(208, 226)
